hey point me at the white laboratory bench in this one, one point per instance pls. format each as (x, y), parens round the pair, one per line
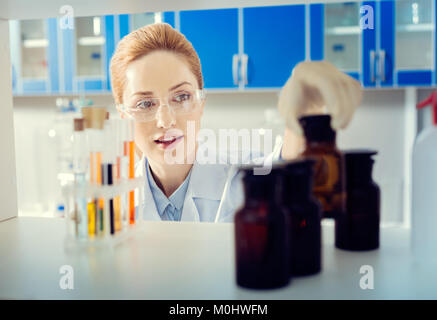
(171, 260)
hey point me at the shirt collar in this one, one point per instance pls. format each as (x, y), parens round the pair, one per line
(176, 199)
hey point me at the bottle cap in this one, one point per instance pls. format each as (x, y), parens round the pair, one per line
(261, 186)
(298, 179)
(357, 154)
(79, 124)
(430, 101)
(317, 128)
(94, 117)
(358, 163)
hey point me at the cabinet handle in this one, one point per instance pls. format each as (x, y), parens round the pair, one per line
(244, 61)
(235, 59)
(372, 66)
(382, 65)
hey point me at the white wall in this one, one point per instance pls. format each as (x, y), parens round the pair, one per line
(378, 124)
(8, 191)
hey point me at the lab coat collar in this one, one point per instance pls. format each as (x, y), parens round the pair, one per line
(207, 181)
(149, 209)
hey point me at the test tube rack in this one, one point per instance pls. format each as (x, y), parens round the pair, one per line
(71, 192)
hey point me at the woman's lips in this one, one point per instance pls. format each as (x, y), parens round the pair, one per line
(167, 142)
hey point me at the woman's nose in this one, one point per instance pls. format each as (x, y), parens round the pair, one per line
(165, 117)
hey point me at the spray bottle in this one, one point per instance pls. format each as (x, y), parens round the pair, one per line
(424, 212)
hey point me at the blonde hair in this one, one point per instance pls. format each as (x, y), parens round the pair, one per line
(159, 36)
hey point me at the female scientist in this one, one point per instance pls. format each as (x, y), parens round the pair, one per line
(157, 80)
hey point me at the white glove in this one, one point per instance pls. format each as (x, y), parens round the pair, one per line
(317, 87)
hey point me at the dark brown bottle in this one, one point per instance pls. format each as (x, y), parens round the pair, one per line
(261, 234)
(329, 178)
(304, 215)
(358, 228)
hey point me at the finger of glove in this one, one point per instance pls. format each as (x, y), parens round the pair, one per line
(291, 103)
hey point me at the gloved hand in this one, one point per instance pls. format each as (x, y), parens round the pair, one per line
(317, 87)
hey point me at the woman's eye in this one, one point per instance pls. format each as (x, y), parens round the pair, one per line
(182, 97)
(144, 104)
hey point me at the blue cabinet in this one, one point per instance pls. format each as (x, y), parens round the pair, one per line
(214, 35)
(247, 48)
(382, 43)
(274, 42)
(395, 40)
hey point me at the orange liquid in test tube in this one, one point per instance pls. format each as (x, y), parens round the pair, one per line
(91, 207)
(131, 176)
(117, 199)
(101, 201)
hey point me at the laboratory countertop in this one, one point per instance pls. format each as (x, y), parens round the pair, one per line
(178, 261)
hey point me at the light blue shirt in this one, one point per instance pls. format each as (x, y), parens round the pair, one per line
(168, 208)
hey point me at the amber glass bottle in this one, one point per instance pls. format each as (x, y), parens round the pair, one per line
(358, 228)
(261, 234)
(329, 178)
(304, 215)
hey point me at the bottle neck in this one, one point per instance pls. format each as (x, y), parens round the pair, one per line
(320, 144)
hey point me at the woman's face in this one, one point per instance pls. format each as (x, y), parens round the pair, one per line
(162, 75)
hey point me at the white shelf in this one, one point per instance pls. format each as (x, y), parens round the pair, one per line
(91, 41)
(204, 253)
(35, 43)
(429, 27)
(343, 31)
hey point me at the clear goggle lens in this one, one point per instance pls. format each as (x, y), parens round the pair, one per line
(181, 102)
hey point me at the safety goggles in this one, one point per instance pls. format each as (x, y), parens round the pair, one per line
(180, 102)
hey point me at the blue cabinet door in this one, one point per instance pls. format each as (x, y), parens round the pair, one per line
(274, 42)
(87, 50)
(214, 36)
(407, 32)
(335, 36)
(414, 36)
(34, 56)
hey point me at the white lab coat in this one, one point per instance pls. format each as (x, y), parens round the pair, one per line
(205, 190)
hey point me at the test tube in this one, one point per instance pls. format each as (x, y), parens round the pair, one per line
(80, 155)
(116, 127)
(94, 123)
(131, 136)
(124, 169)
(107, 175)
